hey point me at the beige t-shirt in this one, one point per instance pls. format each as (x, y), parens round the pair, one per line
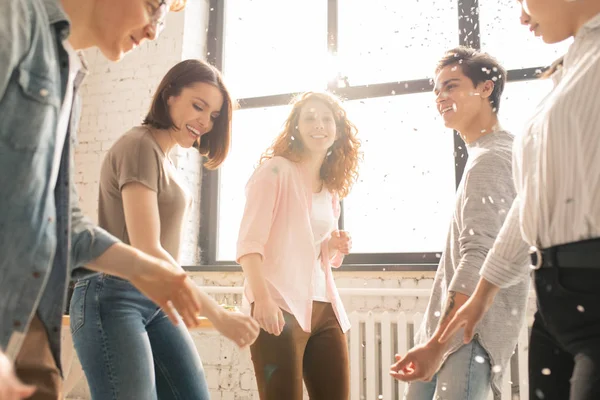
(137, 157)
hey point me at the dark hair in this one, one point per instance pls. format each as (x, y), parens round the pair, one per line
(214, 145)
(478, 67)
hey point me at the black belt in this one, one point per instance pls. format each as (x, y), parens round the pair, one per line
(583, 254)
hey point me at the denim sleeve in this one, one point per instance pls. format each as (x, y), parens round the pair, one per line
(88, 240)
(15, 37)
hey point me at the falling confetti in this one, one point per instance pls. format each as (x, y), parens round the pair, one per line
(546, 371)
(496, 369)
(480, 359)
(580, 308)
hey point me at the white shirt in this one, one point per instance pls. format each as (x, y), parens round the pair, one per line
(65, 110)
(323, 223)
(556, 165)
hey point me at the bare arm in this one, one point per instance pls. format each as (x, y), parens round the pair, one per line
(143, 226)
(138, 263)
(140, 205)
(454, 302)
(469, 315)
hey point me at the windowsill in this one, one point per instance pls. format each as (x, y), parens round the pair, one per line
(344, 267)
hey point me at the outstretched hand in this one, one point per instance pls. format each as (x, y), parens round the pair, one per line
(421, 363)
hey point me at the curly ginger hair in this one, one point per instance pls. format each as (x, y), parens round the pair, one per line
(339, 170)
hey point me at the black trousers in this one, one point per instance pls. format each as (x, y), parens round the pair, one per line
(564, 351)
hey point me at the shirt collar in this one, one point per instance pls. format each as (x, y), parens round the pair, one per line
(57, 16)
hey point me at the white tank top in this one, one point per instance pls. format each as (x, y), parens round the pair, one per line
(323, 223)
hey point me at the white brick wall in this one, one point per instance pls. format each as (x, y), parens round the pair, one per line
(116, 98)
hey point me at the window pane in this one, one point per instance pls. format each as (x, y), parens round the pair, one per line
(388, 41)
(406, 187)
(519, 101)
(274, 46)
(512, 44)
(253, 131)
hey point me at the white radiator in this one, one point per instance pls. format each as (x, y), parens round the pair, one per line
(375, 338)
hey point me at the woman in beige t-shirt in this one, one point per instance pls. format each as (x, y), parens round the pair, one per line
(127, 346)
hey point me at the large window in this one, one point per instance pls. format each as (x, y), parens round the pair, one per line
(378, 55)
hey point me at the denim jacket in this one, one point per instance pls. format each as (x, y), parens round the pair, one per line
(44, 238)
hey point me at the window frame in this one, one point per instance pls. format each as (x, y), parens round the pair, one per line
(469, 35)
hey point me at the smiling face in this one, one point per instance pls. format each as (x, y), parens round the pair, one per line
(194, 112)
(120, 26)
(316, 127)
(526, 20)
(459, 101)
(553, 20)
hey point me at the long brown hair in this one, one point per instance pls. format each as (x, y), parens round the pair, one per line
(213, 145)
(339, 170)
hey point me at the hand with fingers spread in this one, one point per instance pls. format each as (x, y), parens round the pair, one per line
(420, 364)
(268, 315)
(10, 386)
(340, 241)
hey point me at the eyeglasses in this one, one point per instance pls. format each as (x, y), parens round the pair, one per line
(158, 17)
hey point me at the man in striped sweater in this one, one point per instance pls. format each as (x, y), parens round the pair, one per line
(468, 87)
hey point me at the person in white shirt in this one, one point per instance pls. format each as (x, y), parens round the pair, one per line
(556, 214)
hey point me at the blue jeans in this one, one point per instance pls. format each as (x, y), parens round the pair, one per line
(127, 346)
(464, 376)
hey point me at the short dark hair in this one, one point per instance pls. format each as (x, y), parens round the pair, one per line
(214, 145)
(479, 67)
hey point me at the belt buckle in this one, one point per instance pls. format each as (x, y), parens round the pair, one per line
(538, 256)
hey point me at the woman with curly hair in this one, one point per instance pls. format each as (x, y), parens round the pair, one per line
(287, 244)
